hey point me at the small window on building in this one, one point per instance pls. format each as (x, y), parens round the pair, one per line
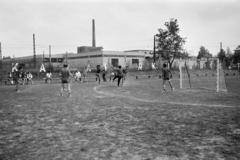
(114, 62)
(46, 59)
(54, 60)
(60, 60)
(135, 61)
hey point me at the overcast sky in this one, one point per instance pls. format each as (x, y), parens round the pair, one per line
(120, 24)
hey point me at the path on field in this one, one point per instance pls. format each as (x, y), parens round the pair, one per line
(150, 91)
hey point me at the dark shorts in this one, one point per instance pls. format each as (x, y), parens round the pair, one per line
(166, 79)
(64, 81)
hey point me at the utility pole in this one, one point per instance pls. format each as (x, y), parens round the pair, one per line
(50, 60)
(34, 51)
(43, 58)
(66, 57)
(93, 34)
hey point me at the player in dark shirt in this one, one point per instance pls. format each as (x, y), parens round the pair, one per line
(119, 75)
(65, 79)
(98, 74)
(17, 74)
(166, 75)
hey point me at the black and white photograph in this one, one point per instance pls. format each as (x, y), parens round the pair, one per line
(119, 80)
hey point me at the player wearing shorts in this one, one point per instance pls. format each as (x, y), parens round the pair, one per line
(65, 80)
(119, 75)
(98, 74)
(166, 75)
(16, 77)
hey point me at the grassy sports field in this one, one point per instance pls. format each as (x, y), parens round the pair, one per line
(135, 122)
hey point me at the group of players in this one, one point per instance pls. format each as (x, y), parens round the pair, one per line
(119, 73)
(19, 76)
(65, 74)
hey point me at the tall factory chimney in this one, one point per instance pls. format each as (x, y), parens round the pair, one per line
(93, 34)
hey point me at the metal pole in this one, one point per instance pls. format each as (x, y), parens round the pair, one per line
(43, 58)
(34, 51)
(66, 57)
(93, 34)
(50, 60)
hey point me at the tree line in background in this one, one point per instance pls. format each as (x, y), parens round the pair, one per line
(169, 46)
(226, 57)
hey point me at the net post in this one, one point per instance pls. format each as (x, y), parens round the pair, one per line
(180, 72)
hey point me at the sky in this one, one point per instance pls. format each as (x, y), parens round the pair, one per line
(120, 24)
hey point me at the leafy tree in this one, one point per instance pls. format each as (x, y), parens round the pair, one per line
(229, 57)
(236, 55)
(203, 53)
(169, 42)
(222, 55)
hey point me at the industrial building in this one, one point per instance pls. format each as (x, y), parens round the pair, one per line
(85, 56)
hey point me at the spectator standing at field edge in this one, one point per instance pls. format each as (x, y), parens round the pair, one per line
(166, 75)
(65, 79)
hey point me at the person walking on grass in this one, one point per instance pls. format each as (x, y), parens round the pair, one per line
(84, 74)
(104, 75)
(65, 79)
(166, 75)
(17, 76)
(98, 74)
(119, 75)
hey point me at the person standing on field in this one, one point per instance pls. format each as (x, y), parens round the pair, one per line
(65, 79)
(98, 74)
(166, 75)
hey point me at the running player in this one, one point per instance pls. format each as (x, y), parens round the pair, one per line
(119, 75)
